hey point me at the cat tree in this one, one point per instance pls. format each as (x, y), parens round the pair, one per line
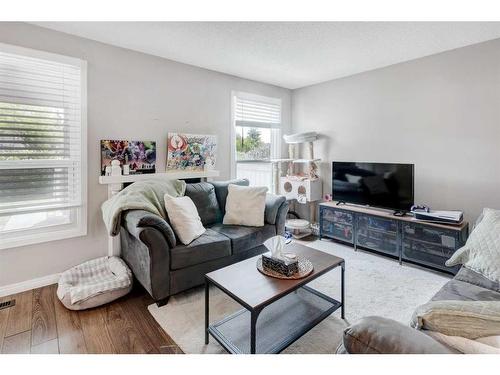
(301, 183)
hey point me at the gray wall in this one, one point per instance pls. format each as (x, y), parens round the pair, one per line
(130, 96)
(441, 113)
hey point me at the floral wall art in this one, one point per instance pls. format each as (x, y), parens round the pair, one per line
(140, 156)
(191, 152)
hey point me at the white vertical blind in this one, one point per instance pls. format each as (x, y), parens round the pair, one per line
(40, 133)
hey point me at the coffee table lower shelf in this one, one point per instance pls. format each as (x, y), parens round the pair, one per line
(278, 325)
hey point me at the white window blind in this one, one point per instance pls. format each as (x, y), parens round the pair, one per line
(257, 137)
(40, 136)
(258, 112)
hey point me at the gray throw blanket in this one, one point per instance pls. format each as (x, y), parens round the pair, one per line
(142, 195)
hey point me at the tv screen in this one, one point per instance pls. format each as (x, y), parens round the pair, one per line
(384, 185)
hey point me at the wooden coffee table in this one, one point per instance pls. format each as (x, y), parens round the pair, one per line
(276, 312)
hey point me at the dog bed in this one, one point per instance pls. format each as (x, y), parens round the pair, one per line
(94, 283)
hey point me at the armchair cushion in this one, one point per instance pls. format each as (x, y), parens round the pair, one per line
(377, 335)
(135, 220)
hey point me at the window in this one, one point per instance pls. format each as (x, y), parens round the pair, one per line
(257, 137)
(42, 146)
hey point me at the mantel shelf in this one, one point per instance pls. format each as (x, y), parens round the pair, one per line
(106, 180)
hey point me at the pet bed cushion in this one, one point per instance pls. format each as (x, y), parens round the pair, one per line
(94, 283)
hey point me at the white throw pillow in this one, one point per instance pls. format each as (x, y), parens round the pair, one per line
(245, 205)
(184, 218)
(481, 253)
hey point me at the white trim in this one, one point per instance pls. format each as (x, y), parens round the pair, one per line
(82, 211)
(23, 286)
(47, 234)
(232, 135)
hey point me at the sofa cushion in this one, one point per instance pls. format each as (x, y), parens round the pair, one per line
(475, 278)
(377, 335)
(469, 319)
(463, 291)
(221, 192)
(481, 252)
(184, 218)
(205, 200)
(209, 246)
(245, 238)
(245, 205)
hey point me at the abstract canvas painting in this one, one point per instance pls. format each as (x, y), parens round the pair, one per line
(140, 156)
(191, 152)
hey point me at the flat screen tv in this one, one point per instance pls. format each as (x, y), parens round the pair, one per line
(384, 185)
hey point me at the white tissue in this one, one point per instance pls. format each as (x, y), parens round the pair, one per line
(275, 245)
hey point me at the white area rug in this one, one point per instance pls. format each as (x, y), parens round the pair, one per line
(374, 286)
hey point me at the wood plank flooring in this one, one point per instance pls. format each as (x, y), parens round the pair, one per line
(40, 324)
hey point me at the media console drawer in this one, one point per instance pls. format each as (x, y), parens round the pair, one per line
(423, 243)
(337, 224)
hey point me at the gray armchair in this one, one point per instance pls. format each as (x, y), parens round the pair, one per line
(386, 336)
(164, 266)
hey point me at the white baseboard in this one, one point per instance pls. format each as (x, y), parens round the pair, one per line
(23, 286)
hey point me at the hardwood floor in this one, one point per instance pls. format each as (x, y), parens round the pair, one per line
(40, 324)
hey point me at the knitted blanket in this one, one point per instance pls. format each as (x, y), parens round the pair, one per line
(145, 195)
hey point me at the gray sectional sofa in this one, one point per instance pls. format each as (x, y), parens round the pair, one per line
(164, 266)
(377, 335)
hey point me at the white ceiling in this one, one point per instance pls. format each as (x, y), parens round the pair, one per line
(286, 54)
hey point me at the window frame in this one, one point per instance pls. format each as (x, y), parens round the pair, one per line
(78, 225)
(279, 127)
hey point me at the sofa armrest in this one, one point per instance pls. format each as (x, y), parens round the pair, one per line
(135, 220)
(273, 204)
(377, 335)
(281, 218)
(146, 240)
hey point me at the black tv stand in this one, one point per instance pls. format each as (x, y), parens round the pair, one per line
(401, 237)
(340, 203)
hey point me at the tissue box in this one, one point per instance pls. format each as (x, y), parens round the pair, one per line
(283, 266)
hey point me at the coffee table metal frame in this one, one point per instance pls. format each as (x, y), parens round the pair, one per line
(211, 329)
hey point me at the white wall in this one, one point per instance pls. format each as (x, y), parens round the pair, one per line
(441, 113)
(130, 96)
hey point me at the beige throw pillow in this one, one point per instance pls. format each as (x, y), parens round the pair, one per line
(245, 205)
(481, 253)
(183, 216)
(469, 319)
